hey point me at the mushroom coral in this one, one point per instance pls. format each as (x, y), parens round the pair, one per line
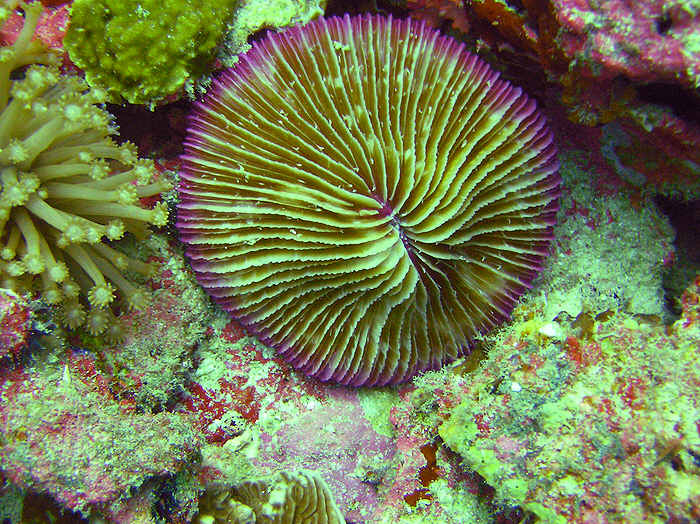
(66, 187)
(366, 196)
(301, 497)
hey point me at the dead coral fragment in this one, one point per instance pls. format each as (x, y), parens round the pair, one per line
(66, 187)
(299, 498)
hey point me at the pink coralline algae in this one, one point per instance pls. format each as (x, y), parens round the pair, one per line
(238, 382)
(14, 324)
(644, 40)
(50, 29)
(638, 63)
(580, 42)
(336, 439)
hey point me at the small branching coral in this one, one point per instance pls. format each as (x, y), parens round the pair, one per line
(66, 187)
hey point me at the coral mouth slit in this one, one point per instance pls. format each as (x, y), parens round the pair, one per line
(325, 146)
(387, 211)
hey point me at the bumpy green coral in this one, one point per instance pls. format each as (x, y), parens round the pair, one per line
(254, 15)
(145, 50)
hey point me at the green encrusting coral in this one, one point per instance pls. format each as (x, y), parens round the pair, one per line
(142, 51)
(252, 16)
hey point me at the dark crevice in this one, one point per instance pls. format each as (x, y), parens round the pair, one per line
(685, 220)
(159, 132)
(166, 505)
(685, 103)
(663, 24)
(41, 507)
(383, 7)
(259, 35)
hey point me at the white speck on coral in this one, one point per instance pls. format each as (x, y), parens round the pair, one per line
(551, 329)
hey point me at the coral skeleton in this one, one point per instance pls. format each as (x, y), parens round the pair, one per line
(67, 189)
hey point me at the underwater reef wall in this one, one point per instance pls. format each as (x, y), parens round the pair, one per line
(127, 395)
(633, 65)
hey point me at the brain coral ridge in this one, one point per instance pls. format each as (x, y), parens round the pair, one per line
(366, 196)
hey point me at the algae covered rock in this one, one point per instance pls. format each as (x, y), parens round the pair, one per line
(587, 421)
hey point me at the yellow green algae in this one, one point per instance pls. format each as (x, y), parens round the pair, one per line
(609, 251)
(376, 405)
(585, 405)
